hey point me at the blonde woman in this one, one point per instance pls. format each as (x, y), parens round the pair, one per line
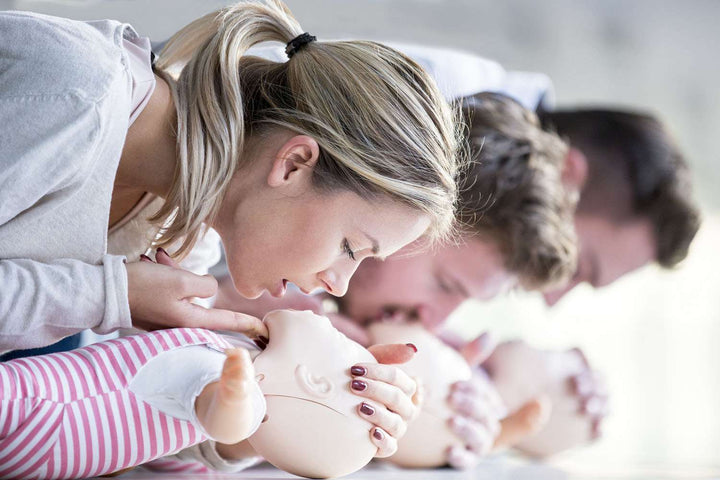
(305, 168)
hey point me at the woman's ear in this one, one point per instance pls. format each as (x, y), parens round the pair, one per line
(294, 162)
(575, 170)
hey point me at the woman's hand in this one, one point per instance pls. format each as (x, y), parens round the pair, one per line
(160, 296)
(393, 396)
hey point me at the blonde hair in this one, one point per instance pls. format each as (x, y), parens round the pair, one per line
(382, 125)
(512, 192)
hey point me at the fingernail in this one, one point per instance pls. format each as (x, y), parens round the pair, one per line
(366, 409)
(378, 434)
(358, 385)
(162, 250)
(145, 258)
(412, 346)
(264, 339)
(261, 345)
(357, 371)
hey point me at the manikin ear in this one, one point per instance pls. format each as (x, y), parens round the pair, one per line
(575, 170)
(294, 162)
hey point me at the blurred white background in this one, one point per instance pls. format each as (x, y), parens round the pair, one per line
(655, 334)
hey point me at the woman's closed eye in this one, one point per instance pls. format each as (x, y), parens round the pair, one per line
(348, 250)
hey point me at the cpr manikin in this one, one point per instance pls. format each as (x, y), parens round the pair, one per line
(543, 373)
(140, 398)
(438, 367)
(312, 428)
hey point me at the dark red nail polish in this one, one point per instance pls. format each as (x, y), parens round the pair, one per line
(264, 339)
(162, 250)
(358, 371)
(378, 434)
(412, 346)
(358, 385)
(145, 258)
(366, 409)
(261, 345)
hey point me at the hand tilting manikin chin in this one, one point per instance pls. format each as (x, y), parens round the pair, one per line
(277, 225)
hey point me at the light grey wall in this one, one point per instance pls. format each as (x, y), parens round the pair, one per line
(653, 54)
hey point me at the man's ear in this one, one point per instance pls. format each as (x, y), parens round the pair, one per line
(294, 161)
(575, 170)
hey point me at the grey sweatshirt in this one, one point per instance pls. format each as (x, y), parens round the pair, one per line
(65, 101)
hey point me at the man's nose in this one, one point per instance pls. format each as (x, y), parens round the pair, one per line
(433, 317)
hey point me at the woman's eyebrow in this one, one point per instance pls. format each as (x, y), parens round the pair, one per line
(374, 242)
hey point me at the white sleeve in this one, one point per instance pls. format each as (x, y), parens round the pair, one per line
(41, 303)
(459, 74)
(185, 372)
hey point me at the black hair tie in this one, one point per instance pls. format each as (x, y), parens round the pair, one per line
(294, 45)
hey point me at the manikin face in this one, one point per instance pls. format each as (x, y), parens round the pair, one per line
(428, 285)
(607, 251)
(276, 227)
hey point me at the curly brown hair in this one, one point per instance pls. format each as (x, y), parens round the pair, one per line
(512, 192)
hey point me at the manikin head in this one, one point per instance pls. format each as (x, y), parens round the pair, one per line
(635, 203)
(308, 166)
(517, 225)
(437, 367)
(312, 427)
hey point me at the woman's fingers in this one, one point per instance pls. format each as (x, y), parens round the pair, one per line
(163, 257)
(217, 319)
(383, 418)
(386, 444)
(395, 353)
(386, 373)
(391, 396)
(159, 297)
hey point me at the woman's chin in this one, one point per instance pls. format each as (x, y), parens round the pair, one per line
(251, 292)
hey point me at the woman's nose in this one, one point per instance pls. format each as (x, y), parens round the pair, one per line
(336, 280)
